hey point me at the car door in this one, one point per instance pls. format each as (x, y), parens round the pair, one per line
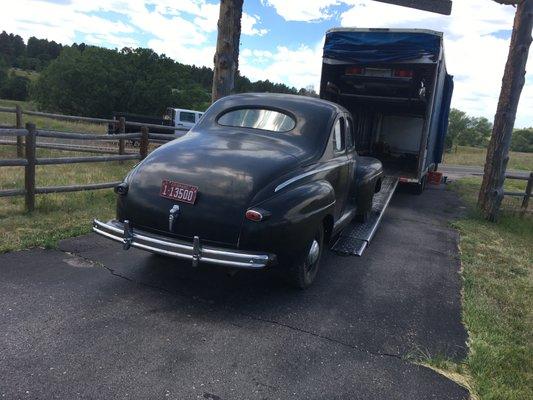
(351, 155)
(342, 186)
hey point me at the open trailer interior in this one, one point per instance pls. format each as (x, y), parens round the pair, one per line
(395, 85)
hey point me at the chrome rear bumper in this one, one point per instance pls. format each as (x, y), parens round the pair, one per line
(196, 252)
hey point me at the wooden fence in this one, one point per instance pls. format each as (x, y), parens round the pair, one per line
(525, 195)
(26, 143)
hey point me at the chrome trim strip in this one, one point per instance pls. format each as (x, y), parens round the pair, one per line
(306, 174)
(362, 248)
(236, 259)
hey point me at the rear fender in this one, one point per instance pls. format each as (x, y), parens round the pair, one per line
(292, 219)
(368, 177)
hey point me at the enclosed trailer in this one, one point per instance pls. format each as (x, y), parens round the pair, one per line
(394, 83)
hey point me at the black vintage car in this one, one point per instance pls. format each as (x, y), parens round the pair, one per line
(263, 180)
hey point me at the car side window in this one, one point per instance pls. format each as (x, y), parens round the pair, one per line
(338, 136)
(350, 140)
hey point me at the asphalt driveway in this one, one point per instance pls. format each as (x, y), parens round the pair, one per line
(91, 321)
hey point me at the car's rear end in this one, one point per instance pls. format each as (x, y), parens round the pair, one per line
(211, 195)
(394, 83)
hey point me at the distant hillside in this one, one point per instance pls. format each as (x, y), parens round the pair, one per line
(92, 80)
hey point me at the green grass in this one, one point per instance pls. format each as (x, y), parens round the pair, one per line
(57, 216)
(31, 75)
(474, 156)
(497, 263)
(46, 123)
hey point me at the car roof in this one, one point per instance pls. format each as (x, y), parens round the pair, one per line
(288, 102)
(314, 119)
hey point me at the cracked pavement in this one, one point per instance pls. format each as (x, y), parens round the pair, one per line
(89, 320)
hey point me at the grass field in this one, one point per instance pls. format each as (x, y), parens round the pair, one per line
(475, 156)
(497, 270)
(56, 216)
(47, 123)
(31, 75)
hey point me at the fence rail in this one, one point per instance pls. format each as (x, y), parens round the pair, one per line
(26, 143)
(120, 123)
(525, 195)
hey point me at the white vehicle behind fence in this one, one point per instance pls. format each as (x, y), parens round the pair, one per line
(181, 118)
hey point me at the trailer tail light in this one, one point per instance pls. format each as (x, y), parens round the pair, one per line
(355, 71)
(254, 215)
(403, 73)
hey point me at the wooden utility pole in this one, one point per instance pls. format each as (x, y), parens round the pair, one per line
(227, 52)
(491, 192)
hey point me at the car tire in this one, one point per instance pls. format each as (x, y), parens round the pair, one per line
(362, 217)
(303, 271)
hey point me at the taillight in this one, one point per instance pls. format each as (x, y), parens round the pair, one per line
(254, 215)
(403, 73)
(121, 189)
(355, 71)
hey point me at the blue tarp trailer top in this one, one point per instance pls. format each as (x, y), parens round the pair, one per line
(381, 46)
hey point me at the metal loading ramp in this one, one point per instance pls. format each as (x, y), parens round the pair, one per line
(354, 239)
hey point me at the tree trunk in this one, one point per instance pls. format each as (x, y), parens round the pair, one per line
(491, 192)
(227, 52)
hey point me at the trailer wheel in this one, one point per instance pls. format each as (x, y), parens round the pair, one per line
(419, 187)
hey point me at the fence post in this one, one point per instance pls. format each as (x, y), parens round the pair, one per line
(20, 143)
(121, 129)
(527, 195)
(143, 145)
(29, 171)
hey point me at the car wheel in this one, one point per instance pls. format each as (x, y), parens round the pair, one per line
(303, 271)
(362, 217)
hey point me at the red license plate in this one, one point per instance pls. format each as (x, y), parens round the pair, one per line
(178, 191)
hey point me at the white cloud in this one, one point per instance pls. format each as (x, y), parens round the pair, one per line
(56, 22)
(173, 48)
(248, 23)
(182, 29)
(299, 67)
(308, 10)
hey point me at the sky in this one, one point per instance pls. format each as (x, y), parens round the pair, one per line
(282, 40)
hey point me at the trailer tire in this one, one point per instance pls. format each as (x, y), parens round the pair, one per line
(418, 188)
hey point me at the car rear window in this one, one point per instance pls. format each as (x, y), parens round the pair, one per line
(258, 118)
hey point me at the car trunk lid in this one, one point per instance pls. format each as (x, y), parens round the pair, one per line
(228, 170)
